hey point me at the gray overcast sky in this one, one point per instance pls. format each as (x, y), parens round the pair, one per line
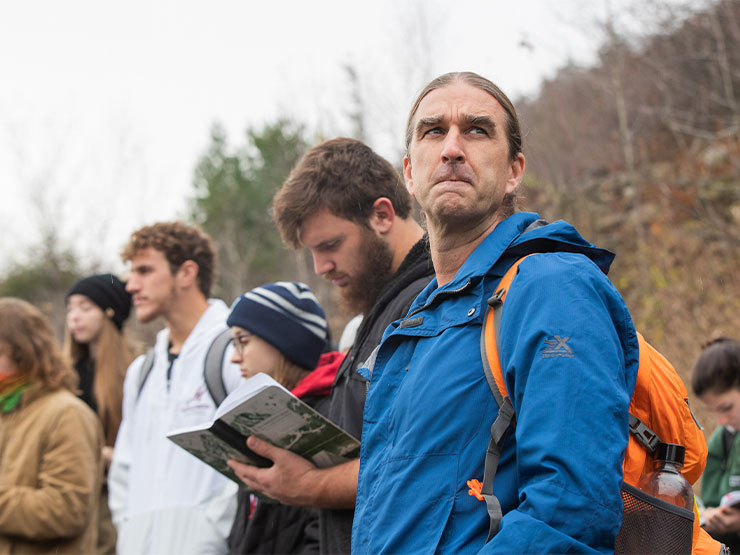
(105, 106)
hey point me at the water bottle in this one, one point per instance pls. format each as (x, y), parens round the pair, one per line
(665, 480)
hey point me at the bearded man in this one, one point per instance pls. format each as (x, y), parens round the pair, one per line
(349, 207)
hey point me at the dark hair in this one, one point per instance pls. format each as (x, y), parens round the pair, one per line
(27, 334)
(342, 175)
(718, 367)
(513, 131)
(178, 242)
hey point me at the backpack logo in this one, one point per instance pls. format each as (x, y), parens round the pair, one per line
(557, 347)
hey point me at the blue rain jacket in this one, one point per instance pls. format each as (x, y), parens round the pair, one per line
(570, 356)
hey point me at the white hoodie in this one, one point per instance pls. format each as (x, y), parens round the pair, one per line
(163, 499)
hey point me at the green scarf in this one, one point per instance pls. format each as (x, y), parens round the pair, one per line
(11, 391)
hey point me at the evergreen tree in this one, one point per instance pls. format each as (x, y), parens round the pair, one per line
(234, 189)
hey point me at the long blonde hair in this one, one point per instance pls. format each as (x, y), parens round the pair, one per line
(34, 351)
(114, 354)
(287, 373)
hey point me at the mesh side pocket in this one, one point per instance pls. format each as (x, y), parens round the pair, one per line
(651, 525)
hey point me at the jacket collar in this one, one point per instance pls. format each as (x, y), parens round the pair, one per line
(508, 241)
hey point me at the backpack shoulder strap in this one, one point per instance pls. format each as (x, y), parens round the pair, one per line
(213, 365)
(146, 369)
(505, 419)
(490, 335)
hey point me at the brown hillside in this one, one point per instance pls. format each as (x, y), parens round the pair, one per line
(641, 153)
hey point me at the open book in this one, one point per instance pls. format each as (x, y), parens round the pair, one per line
(263, 408)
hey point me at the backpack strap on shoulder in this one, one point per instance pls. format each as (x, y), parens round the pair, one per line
(505, 420)
(146, 369)
(213, 366)
(490, 342)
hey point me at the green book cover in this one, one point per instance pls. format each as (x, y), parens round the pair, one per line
(262, 407)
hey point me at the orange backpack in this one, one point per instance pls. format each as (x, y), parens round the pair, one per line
(659, 412)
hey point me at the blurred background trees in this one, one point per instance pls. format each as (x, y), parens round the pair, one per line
(639, 150)
(42, 280)
(234, 187)
(233, 190)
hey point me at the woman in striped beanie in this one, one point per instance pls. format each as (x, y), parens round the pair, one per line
(281, 330)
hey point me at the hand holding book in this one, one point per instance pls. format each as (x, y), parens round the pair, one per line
(263, 408)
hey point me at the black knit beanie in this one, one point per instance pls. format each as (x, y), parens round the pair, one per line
(108, 292)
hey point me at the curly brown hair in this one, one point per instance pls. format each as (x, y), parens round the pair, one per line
(27, 335)
(343, 175)
(178, 242)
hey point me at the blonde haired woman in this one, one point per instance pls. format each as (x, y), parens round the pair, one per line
(97, 306)
(50, 442)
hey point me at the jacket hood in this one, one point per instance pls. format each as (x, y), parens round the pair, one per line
(525, 233)
(319, 382)
(518, 235)
(540, 236)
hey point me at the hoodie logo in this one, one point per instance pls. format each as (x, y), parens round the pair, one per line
(557, 347)
(197, 401)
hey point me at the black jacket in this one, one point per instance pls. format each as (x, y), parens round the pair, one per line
(348, 393)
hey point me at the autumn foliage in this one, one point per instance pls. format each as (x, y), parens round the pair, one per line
(641, 152)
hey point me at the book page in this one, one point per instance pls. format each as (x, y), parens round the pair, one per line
(263, 408)
(248, 388)
(277, 416)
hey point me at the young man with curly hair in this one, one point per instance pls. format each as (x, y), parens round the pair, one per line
(163, 499)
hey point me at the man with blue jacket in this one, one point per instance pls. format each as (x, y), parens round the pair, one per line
(568, 351)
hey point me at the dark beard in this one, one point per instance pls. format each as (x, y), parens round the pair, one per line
(360, 294)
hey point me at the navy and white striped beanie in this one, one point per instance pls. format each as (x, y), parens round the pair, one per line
(287, 315)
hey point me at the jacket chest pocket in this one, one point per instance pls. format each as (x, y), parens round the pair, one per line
(443, 399)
